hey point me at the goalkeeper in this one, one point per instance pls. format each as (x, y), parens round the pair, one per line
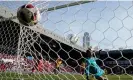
(92, 67)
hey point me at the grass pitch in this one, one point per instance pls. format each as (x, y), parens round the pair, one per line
(16, 76)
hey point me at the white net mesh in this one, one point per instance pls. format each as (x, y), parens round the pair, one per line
(66, 31)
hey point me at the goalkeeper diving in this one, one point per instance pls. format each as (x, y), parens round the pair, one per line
(92, 67)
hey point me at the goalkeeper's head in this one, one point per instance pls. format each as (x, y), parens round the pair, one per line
(89, 53)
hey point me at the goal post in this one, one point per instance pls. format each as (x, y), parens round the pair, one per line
(74, 3)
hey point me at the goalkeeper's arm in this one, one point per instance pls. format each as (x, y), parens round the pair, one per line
(97, 54)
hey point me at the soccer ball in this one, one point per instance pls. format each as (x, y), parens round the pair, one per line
(28, 15)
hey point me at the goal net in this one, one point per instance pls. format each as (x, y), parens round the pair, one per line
(55, 48)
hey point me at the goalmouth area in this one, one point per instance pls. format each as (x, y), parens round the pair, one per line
(16, 76)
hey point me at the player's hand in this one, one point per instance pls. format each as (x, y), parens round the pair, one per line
(100, 51)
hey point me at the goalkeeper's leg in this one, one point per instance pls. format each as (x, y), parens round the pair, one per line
(90, 77)
(87, 73)
(99, 75)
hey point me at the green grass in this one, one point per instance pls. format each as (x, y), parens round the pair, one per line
(15, 76)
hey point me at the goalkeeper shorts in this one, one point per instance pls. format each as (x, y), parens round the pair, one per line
(99, 73)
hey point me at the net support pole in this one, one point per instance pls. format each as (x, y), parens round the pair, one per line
(19, 53)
